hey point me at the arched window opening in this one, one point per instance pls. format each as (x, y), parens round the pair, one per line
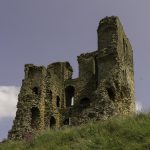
(58, 101)
(69, 93)
(66, 121)
(52, 122)
(50, 94)
(85, 102)
(35, 90)
(111, 93)
(72, 101)
(35, 116)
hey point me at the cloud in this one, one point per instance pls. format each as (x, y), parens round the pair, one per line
(5, 126)
(139, 107)
(8, 101)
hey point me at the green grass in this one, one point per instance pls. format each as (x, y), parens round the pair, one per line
(131, 133)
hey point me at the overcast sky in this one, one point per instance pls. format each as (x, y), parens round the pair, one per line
(45, 31)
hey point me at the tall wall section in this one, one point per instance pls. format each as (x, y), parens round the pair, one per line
(57, 74)
(31, 99)
(105, 86)
(41, 99)
(115, 67)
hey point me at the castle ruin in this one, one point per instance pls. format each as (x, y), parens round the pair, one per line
(50, 98)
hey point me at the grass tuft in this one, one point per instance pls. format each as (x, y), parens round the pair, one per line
(128, 133)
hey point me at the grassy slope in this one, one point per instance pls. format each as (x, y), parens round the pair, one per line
(132, 133)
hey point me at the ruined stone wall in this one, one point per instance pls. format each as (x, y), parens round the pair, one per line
(30, 107)
(116, 66)
(50, 98)
(40, 99)
(57, 73)
(113, 76)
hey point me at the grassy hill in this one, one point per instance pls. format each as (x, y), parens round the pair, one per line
(131, 133)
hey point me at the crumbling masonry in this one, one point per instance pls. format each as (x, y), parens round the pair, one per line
(49, 97)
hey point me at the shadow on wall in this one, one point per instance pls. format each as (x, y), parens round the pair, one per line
(35, 117)
(52, 122)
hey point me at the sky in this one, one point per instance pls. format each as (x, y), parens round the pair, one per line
(46, 31)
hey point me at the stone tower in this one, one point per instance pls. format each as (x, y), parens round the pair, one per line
(49, 97)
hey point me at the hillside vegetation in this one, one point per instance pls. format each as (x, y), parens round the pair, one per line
(131, 133)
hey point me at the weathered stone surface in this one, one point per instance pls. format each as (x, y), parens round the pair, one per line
(49, 97)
